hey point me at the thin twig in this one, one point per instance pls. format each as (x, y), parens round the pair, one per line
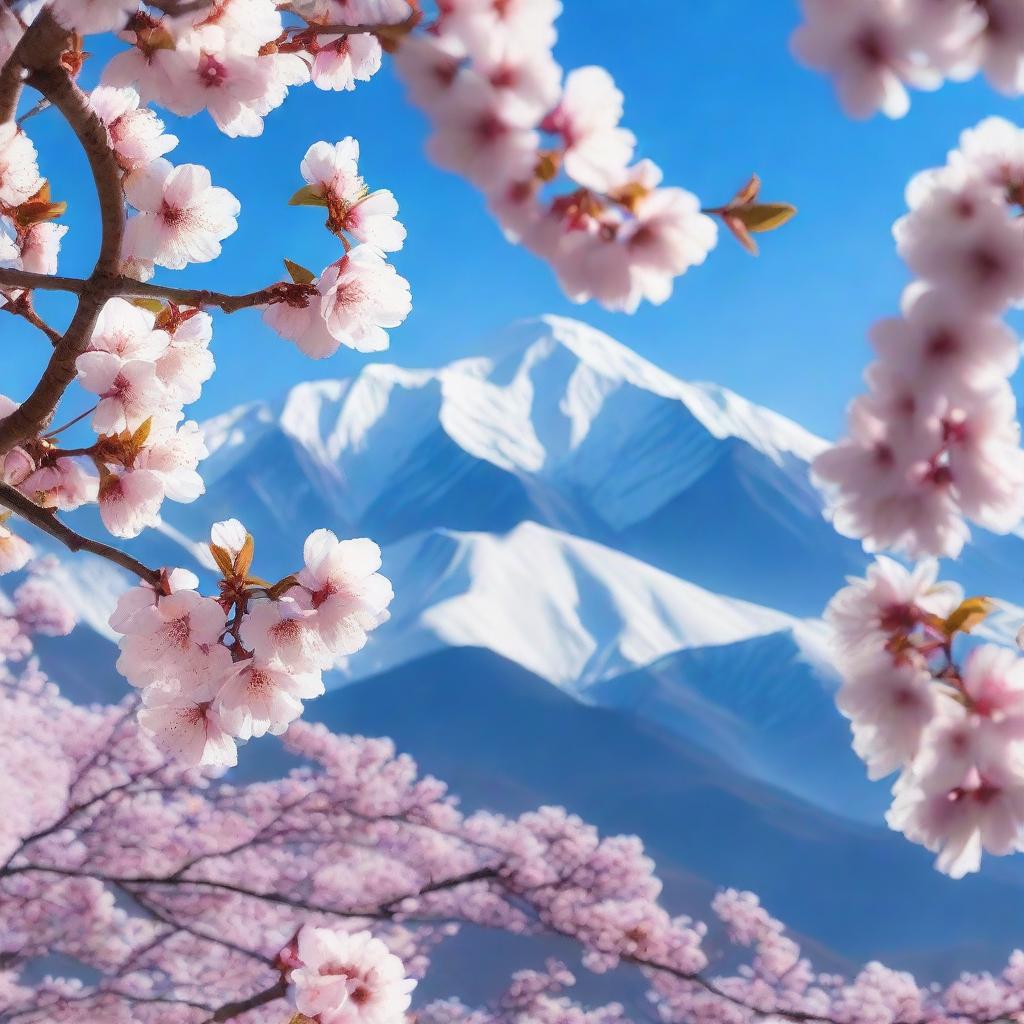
(33, 111)
(49, 523)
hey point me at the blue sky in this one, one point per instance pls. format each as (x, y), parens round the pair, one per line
(712, 93)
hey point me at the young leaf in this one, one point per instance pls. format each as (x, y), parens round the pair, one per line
(223, 559)
(243, 560)
(308, 195)
(972, 612)
(764, 216)
(298, 273)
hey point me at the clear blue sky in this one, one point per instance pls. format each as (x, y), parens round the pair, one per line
(712, 93)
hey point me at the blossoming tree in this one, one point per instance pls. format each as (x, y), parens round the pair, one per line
(136, 889)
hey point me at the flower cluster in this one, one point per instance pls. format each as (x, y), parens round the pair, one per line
(876, 49)
(355, 299)
(936, 440)
(504, 118)
(141, 367)
(29, 240)
(216, 670)
(954, 731)
(310, 892)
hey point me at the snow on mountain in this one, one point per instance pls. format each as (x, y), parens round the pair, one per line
(565, 427)
(568, 610)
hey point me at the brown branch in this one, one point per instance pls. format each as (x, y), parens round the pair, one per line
(56, 85)
(23, 307)
(49, 523)
(128, 287)
(40, 46)
(269, 995)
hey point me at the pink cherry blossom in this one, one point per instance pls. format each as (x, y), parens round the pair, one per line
(429, 65)
(136, 133)
(258, 697)
(40, 248)
(341, 61)
(983, 813)
(63, 485)
(349, 978)
(305, 325)
(187, 727)
(284, 631)
(212, 71)
(597, 150)
(868, 50)
(480, 134)
(132, 601)
(187, 362)
(90, 16)
(127, 331)
(344, 590)
(176, 639)
(173, 454)
(130, 501)
(887, 600)
(889, 706)
(182, 218)
(363, 296)
(19, 173)
(14, 552)
(129, 391)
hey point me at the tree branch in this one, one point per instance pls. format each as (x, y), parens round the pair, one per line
(23, 307)
(56, 85)
(128, 287)
(268, 995)
(41, 44)
(49, 523)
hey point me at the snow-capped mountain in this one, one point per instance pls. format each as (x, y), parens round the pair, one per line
(563, 426)
(576, 536)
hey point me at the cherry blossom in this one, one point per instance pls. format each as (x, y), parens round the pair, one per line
(341, 61)
(325, 892)
(130, 501)
(174, 640)
(876, 49)
(936, 440)
(482, 135)
(14, 552)
(185, 725)
(597, 150)
(257, 697)
(343, 588)
(91, 16)
(363, 296)
(182, 218)
(952, 727)
(136, 133)
(19, 173)
(349, 978)
(128, 390)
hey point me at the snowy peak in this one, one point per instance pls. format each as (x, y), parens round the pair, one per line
(568, 610)
(564, 409)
